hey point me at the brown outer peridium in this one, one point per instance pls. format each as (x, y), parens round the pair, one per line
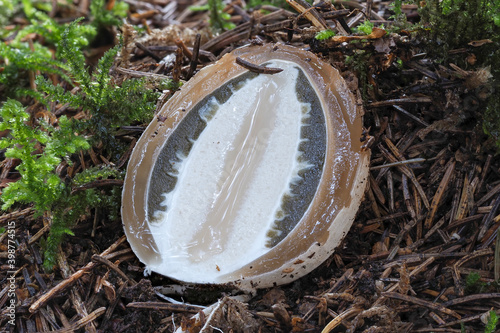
(337, 199)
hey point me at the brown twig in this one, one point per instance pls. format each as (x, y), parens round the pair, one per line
(98, 183)
(71, 279)
(257, 68)
(99, 259)
(148, 52)
(164, 306)
(194, 57)
(471, 298)
(433, 306)
(439, 193)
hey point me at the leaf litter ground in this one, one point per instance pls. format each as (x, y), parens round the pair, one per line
(420, 256)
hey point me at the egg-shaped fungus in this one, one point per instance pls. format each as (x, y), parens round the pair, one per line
(246, 177)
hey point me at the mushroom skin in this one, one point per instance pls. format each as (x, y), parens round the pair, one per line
(334, 205)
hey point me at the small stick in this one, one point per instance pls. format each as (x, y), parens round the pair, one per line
(124, 158)
(146, 25)
(74, 294)
(112, 306)
(39, 234)
(436, 318)
(421, 302)
(463, 206)
(309, 12)
(457, 223)
(351, 312)
(222, 40)
(194, 57)
(25, 213)
(407, 172)
(75, 276)
(390, 186)
(409, 115)
(171, 48)
(257, 68)
(377, 191)
(488, 218)
(335, 14)
(484, 173)
(176, 71)
(118, 253)
(457, 196)
(101, 260)
(98, 183)
(465, 320)
(148, 52)
(471, 298)
(407, 196)
(134, 73)
(399, 101)
(439, 194)
(87, 319)
(388, 165)
(164, 306)
(144, 15)
(184, 48)
(455, 273)
(387, 217)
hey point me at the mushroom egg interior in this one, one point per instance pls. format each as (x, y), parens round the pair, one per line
(248, 178)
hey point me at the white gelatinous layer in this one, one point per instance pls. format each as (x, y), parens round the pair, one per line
(231, 184)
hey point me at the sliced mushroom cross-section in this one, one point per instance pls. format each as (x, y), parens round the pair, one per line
(250, 178)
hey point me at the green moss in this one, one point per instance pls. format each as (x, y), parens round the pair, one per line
(103, 17)
(491, 325)
(41, 147)
(474, 285)
(358, 62)
(276, 3)
(325, 34)
(218, 19)
(109, 105)
(20, 57)
(454, 23)
(365, 28)
(38, 184)
(74, 205)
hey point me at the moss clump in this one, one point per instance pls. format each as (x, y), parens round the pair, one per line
(453, 24)
(41, 147)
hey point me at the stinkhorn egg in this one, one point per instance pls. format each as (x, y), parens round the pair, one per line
(246, 177)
